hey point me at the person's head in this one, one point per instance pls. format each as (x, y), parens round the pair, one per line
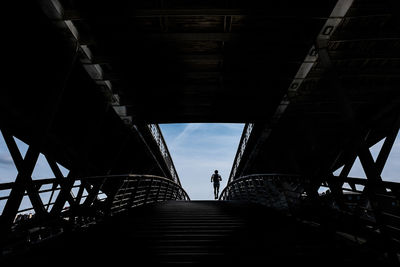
(216, 171)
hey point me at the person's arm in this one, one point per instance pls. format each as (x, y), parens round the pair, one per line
(212, 178)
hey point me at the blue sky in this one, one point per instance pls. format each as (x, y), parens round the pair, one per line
(198, 149)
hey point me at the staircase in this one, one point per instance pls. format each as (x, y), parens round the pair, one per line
(199, 232)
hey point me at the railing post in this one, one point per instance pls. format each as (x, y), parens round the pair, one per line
(166, 192)
(148, 191)
(92, 195)
(158, 190)
(176, 192)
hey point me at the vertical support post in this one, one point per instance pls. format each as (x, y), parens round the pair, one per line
(133, 194)
(93, 193)
(65, 191)
(158, 190)
(53, 188)
(148, 190)
(60, 179)
(80, 192)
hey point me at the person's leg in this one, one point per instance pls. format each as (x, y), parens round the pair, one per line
(216, 190)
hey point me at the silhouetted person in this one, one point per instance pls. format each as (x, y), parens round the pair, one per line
(215, 178)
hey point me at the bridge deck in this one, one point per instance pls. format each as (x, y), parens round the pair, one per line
(204, 232)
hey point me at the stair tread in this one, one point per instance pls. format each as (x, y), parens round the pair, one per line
(203, 232)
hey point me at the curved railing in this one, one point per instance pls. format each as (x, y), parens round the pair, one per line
(244, 139)
(162, 145)
(145, 189)
(282, 192)
(357, 208)
(76, 202)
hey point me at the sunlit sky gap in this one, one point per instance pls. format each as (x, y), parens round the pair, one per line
(198, 149)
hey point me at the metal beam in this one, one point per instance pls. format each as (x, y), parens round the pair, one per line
(26, 173)
(59, 177)
(74, 15)
(198, 58)
(22, 182)
(64, 194)
(113, 36)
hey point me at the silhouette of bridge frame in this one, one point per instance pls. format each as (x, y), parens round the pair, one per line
(328, 94)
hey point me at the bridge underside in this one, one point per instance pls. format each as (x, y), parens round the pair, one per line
(173, 61)
(315, 78)
(342, 100)
(50, 102)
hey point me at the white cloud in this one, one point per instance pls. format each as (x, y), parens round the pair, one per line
(190, 128)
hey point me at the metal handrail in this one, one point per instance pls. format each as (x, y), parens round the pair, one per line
(355, 205)
(56, 183)
(79, 201)
(156, 188)
(247, 130)
(266, 189)
(159, 139)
